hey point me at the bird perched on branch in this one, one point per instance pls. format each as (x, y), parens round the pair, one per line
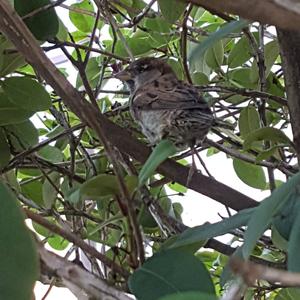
(164, 106)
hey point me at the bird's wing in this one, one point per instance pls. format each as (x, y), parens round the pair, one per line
(180, 96)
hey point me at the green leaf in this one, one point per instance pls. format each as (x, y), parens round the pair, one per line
(207, 231)
(249, 120)
(177, 68)
(250, 174)
(9, 60)
(106, 185)
(82, 21)
(266, 134)
(159, 154)
(57, 242)
(278, 240)
(62, 33)
(11, 113)
(33, 190)
(4, 149)
(214, 56)
(170, 272)
(284, 220)
(51, 154)
(266, 211)
(93, 71)
(177, 187)
(158, 24)
(241, 78)
(10, 178)
(50, 189)
(190, 296)
(200, 78)
(265, 154)
(170, 11)
(22, 135)
(139, 43)
(294, 243)
(271, 54)
(26, 93)
(240, 53)
(231, 27)
(18, 255)
(44, 25)
(288, 294)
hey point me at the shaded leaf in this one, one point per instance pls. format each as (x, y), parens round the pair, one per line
(50, 189)
(26, 93)
(18, 255)
(264, 214)
(271, 52)
(93, 71)
(11, 113)
(22, 135)
(214, 56)
(51, 154)
(278, 240)
(170, 272)
(190, 296)
(200, 78)
(170, 11)
(44, 25)
(11, 60)
(106, 185)
(4, 149)
(33, 190)
(240, 53)
(241, 78)
(294, 242)
(249, 120)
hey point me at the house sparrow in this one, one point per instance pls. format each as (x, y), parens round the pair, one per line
(164, 106)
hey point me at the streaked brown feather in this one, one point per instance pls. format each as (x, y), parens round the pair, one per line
(166, 107)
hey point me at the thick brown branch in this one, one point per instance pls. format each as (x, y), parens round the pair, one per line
(78, 279)
(290, 52)
(284, 14)
(76, 241)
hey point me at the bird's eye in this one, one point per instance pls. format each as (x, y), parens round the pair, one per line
(142, 68)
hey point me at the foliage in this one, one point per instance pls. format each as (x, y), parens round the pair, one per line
(65, 174)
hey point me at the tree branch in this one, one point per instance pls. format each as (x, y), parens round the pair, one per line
(77, 279)
(290, 52)
(285, 13)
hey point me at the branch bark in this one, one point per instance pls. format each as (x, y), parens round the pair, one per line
(16, 31)
(289, 42)
(79, 281)
(283, 13)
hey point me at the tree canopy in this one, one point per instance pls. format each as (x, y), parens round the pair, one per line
(77, 168)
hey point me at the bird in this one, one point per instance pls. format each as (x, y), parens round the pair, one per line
(164, 106)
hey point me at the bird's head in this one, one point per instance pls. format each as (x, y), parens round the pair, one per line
(143, 71)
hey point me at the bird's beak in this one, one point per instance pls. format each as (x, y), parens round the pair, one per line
(123, 75)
